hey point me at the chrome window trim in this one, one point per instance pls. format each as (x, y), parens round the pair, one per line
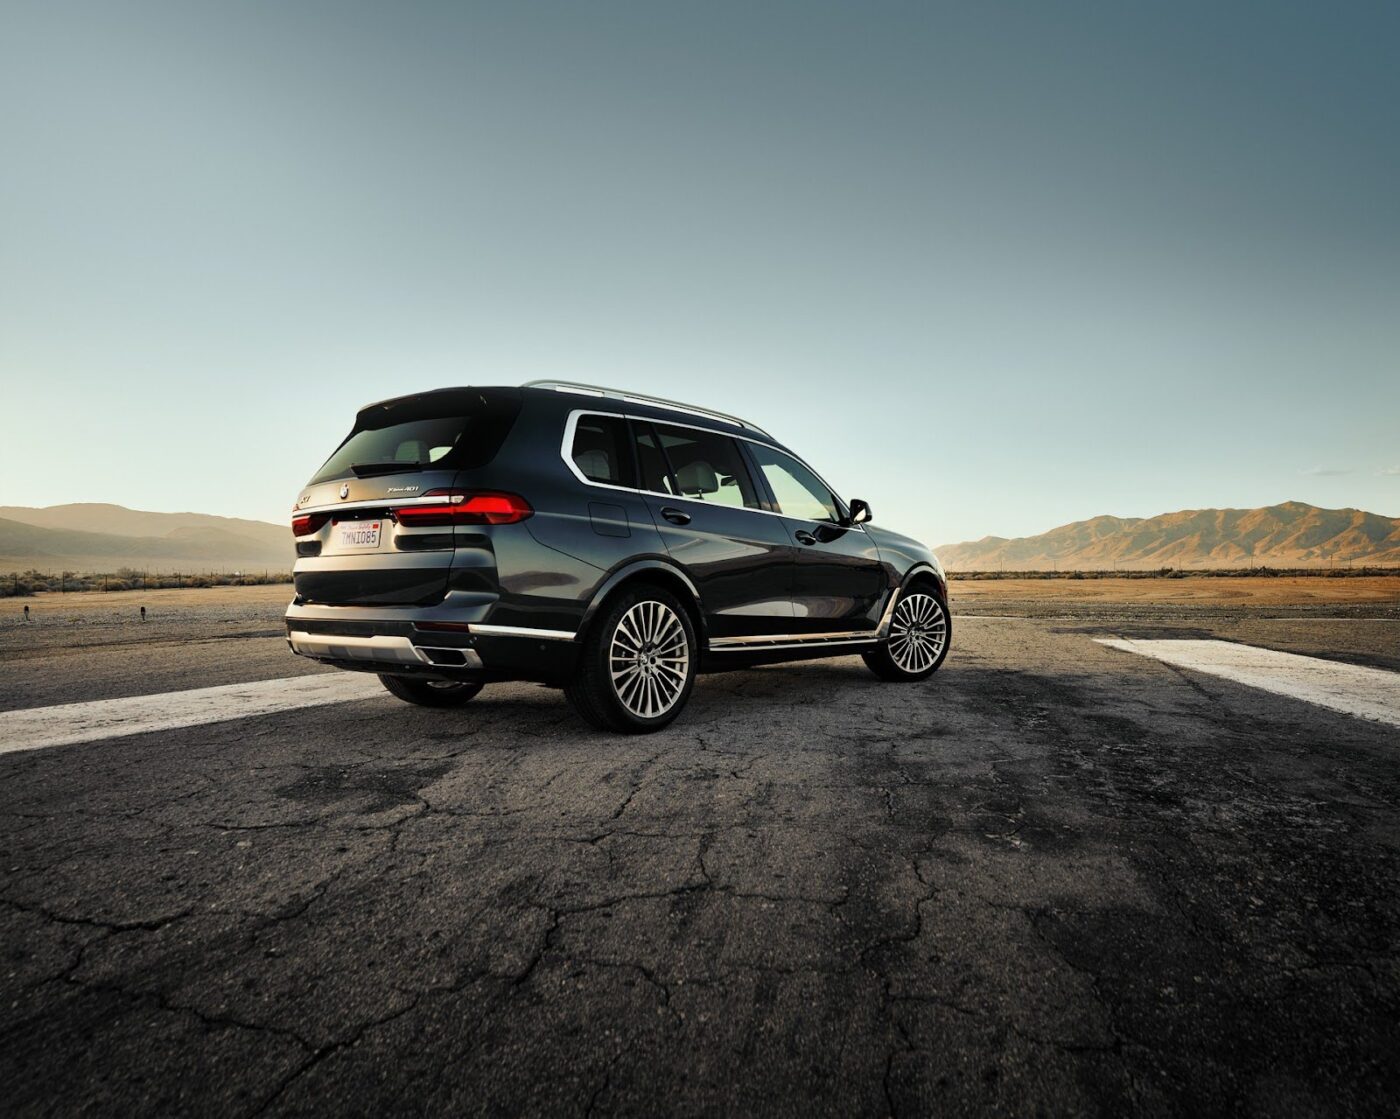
(571, 424)
(578, 388)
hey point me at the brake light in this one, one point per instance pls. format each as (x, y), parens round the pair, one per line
(308, 523)
(456, 508)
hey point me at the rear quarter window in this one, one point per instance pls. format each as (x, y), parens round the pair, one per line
(600, 450)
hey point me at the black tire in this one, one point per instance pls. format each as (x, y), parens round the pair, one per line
(655, 652)
(431, 693)
(921, 632)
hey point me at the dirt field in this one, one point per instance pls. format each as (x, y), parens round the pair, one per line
(120, 603)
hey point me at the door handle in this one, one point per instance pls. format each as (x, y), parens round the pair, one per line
(675, 516)
(805, 537)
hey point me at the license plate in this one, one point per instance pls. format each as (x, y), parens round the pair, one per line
(357, 536)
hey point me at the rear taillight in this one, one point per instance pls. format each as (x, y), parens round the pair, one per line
(455, 508)
(307, 523)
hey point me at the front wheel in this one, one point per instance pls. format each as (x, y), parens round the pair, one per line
(637, 664)
(431, 693)
(917, 641)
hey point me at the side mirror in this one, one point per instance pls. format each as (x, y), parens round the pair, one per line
(860, 511)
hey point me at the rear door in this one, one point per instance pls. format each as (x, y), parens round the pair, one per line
(839, 584)
(707, 508)
(372, 538)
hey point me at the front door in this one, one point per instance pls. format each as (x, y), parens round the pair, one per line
(839, 584)
(708, 511)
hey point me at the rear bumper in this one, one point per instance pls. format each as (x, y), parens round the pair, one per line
(377, 650)
(410, 641)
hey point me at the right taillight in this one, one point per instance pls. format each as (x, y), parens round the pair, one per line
(307, 523)
(453, 507)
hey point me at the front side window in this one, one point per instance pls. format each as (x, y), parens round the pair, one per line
(798, 491)
(707, 466)
(600, 450)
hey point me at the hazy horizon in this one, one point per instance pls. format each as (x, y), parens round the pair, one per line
(995, 270)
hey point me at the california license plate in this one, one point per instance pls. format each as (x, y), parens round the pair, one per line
(358, 536)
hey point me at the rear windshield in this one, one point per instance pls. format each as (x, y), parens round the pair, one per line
(454, 429)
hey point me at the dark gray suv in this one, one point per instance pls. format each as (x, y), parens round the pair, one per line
(605, 542)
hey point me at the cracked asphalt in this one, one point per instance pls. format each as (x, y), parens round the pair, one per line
(1055, 879)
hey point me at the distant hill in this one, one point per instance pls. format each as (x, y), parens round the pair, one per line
(121, 521)
(1293, 534)
(100, 537)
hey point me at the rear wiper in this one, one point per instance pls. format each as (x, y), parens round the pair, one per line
(369, 469)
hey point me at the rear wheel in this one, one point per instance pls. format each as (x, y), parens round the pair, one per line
(917, 641)
(431, 693)
(637, 664)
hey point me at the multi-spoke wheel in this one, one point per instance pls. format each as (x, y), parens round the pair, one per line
(637, 664)
(917, 641)
(431, 693)
(649, 660)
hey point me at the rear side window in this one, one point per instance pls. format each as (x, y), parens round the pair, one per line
(707, 466)
(455, 429)
(600, 451)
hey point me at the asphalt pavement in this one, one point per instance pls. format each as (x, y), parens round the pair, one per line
(1057, 878)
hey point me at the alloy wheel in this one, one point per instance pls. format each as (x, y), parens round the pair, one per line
(918, 633)
(649, 659)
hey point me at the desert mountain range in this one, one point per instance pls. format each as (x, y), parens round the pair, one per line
(100, 537)
(1293, 534)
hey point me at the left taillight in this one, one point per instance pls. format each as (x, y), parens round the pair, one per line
(307, 523)
(453, 507)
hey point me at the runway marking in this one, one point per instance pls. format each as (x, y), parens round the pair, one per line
(37, 728)
(1368, 693)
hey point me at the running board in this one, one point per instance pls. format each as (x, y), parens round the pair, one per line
(789, 641)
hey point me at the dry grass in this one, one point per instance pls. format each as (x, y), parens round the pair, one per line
(1282, 590)
(78, 602)
(1215, 591)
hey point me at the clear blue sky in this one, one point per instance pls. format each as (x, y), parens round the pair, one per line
(991, 267)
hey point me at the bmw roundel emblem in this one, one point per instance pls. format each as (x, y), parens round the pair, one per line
(345, 491)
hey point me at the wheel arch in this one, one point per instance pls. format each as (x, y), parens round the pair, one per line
(654, 571)
(918, 574)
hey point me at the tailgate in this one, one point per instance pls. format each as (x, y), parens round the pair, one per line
(360, 554)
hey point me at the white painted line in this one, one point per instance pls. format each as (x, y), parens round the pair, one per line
(1368, 693)
(35, 728)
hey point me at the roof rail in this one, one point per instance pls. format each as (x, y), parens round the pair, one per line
(641, 398)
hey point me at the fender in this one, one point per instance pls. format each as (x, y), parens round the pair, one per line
(641, 567)
(922, 568)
